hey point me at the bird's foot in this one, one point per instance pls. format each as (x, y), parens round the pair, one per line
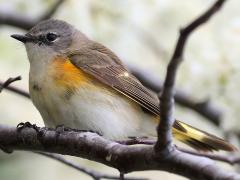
(23, 125)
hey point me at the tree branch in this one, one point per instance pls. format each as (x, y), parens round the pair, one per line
(167, 97)
(125, 158)
(25, 22)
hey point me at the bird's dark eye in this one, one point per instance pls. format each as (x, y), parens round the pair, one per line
(51, 37)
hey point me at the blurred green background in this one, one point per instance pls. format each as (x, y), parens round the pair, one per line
(210, 70)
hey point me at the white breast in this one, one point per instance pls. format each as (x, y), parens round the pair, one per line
(110, 114)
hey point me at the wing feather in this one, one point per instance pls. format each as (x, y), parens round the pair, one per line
(107, 68)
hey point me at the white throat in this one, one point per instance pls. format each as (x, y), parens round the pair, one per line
(39, 58)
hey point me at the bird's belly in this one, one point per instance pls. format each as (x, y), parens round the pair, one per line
(98, 109)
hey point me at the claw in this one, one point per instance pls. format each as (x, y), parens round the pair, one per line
(22, 125)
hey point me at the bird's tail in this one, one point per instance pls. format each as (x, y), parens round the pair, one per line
(198, 139)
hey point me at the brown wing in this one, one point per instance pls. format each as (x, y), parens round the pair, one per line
(106, 67)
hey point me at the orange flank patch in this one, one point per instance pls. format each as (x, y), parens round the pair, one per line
(67, 75)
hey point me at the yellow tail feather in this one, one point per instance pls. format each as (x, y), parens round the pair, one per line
(199, 139)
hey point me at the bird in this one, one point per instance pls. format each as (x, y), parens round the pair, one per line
(81, 84)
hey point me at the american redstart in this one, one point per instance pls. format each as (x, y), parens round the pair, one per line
(83, 85)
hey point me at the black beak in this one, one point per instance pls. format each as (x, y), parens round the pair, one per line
(22, 38)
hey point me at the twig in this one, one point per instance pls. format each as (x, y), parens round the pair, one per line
(167, 101)
(94, 174)
(8, 82)
(25, 22)
(16, 90)
(6, 85)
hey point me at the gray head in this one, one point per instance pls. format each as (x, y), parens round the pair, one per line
(54, 34)
(49, 38)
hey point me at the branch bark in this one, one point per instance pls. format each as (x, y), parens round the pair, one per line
(125, 158)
